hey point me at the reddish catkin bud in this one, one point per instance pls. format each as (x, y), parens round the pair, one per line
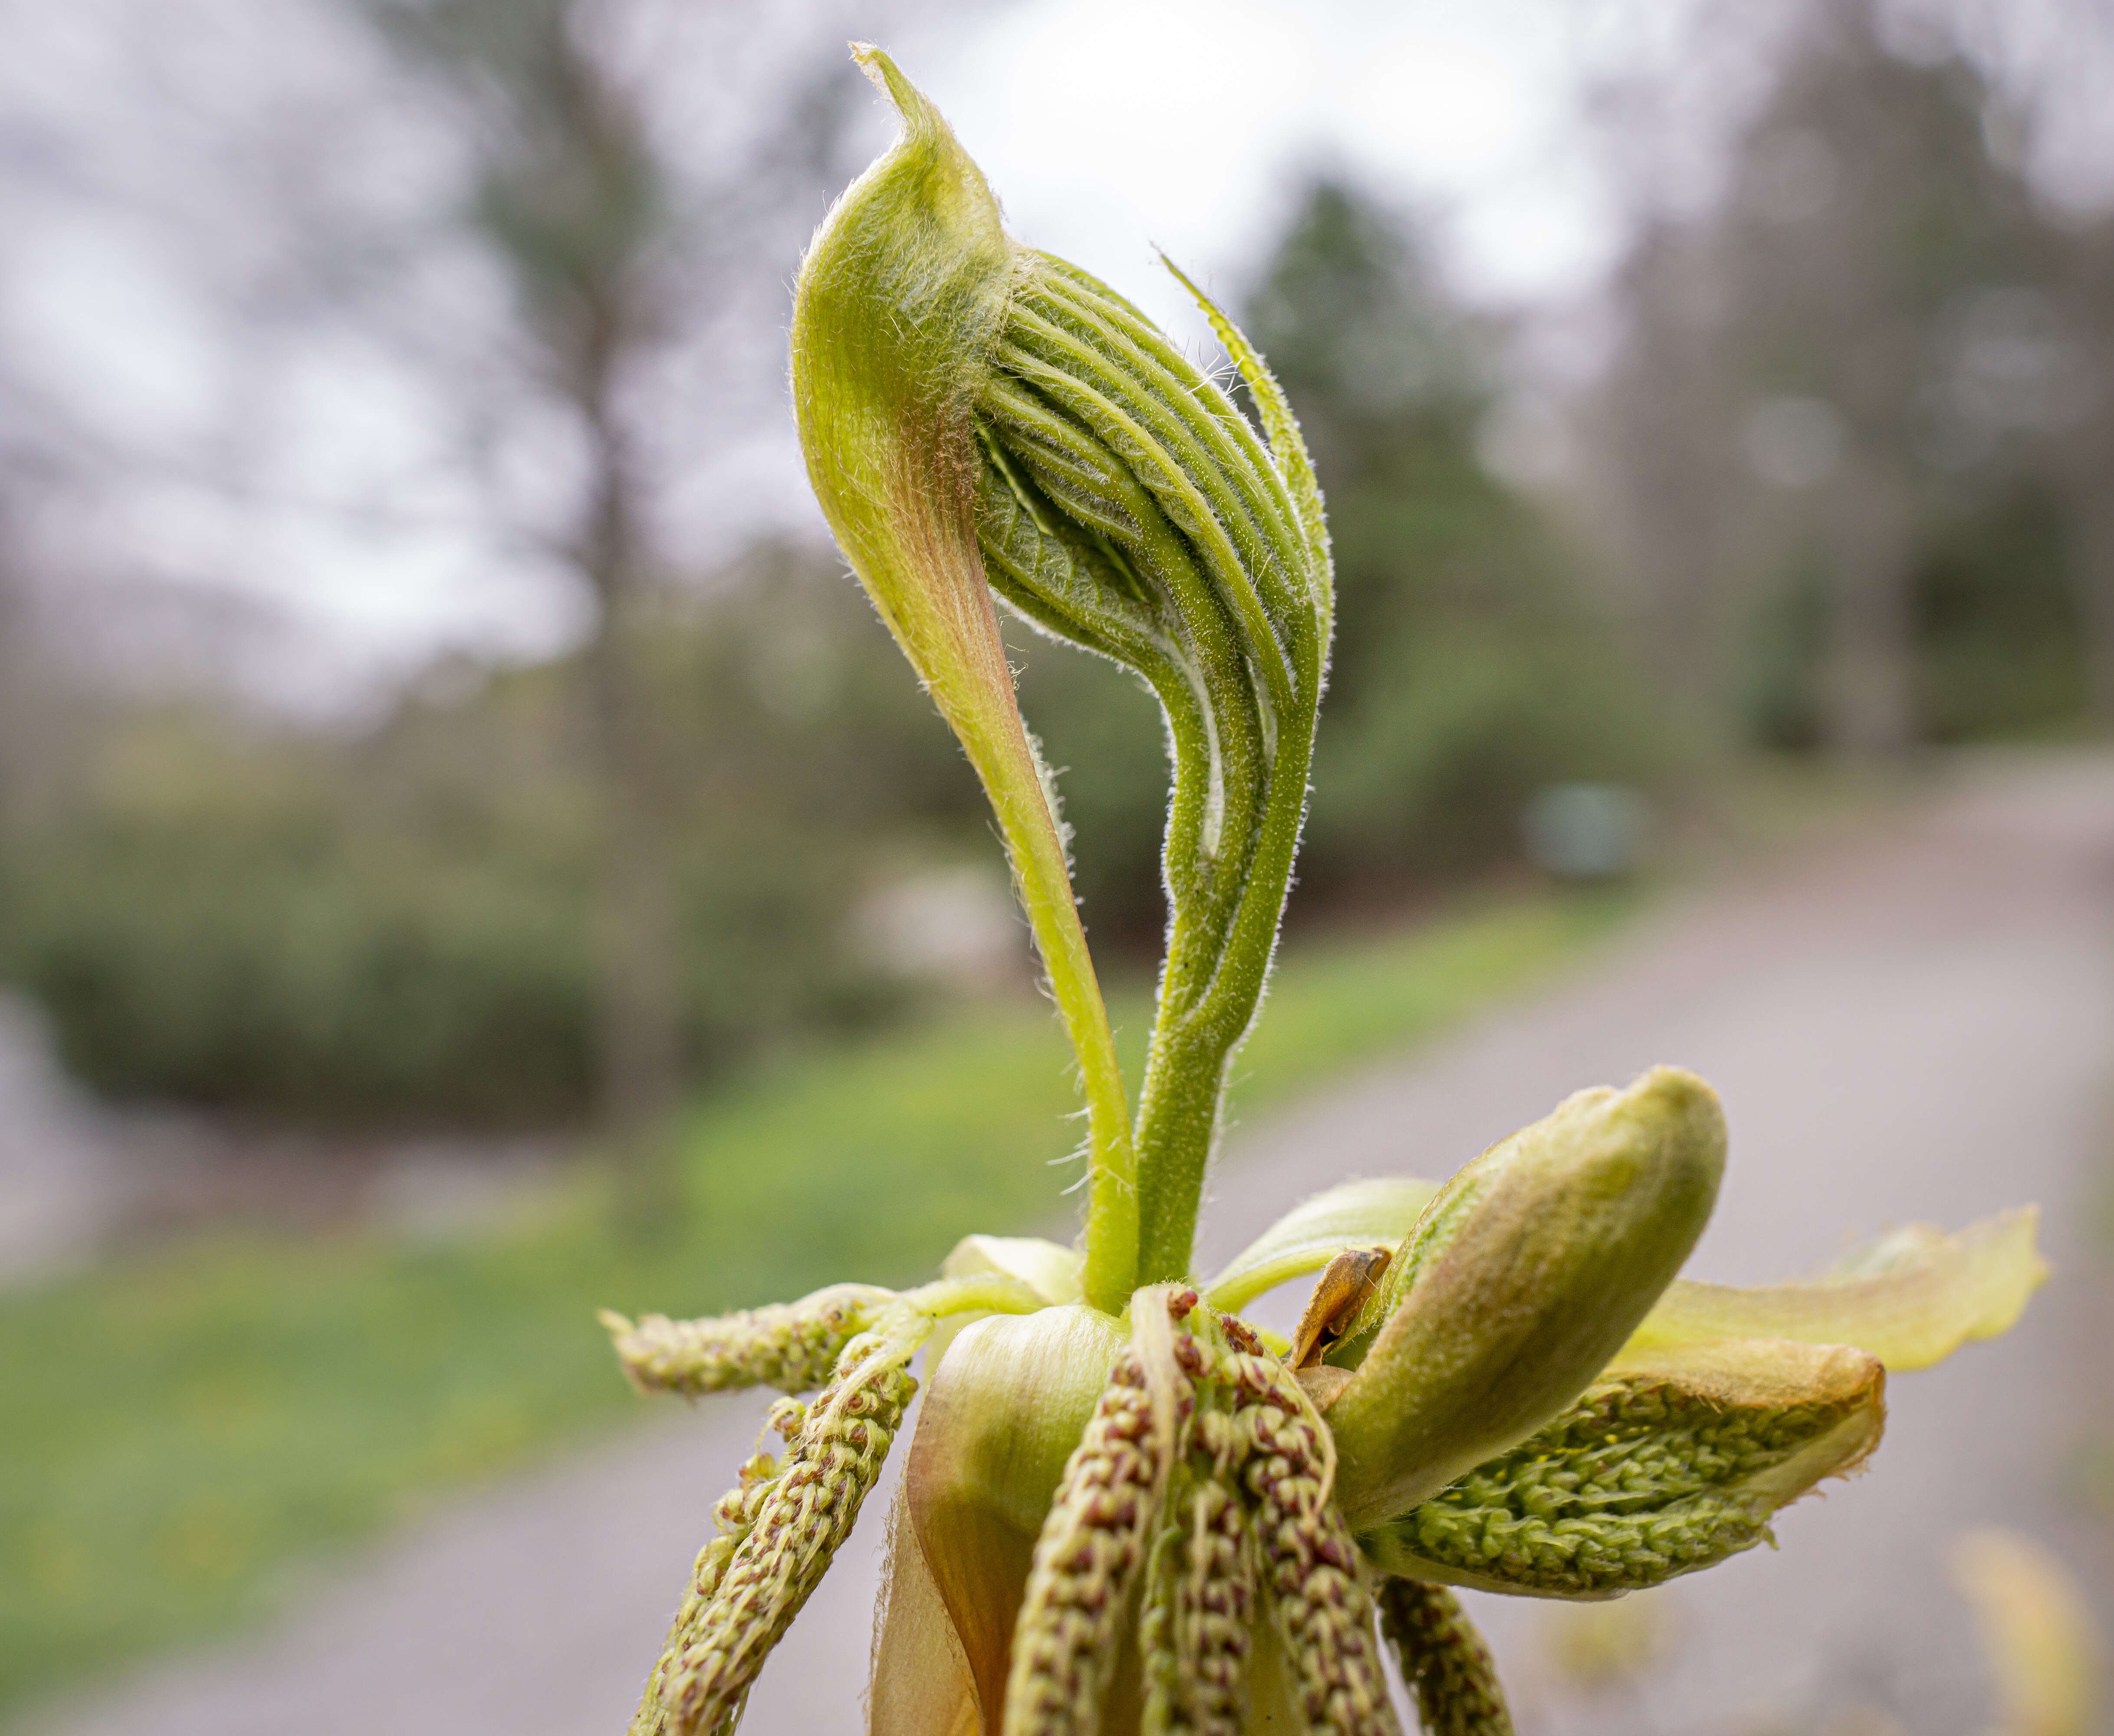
(1310, 1565)
(791, 1345)
(1093, 1542)
(1444, 1660)
(805, 1514)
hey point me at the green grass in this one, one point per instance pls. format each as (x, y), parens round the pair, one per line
(181, 1439)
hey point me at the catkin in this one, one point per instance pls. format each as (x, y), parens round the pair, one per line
(1093, 1541)
(806, 1513)
(791, 1345)
(1309, 1564)
(1444, 1661)
(1200, 1605)
(735, 1513)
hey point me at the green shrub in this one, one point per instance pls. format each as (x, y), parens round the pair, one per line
(348, 984)
(228, 971)
(398, 928)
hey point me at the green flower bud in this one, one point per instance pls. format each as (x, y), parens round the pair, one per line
(735, 1514)
(1525, 1276)
(805, 1513)
(791, 1345)
(1199, 1609)
(1664, 1467)
(1319, 1603)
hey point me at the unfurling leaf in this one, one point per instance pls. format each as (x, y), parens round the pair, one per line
(1912, 1298)
(1355, 1215)
(900, 306)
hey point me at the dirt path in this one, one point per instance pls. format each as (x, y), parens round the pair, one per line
(1921, 1026)
(79, 1179)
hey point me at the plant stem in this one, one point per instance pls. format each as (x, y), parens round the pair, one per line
(1206, 1007)
(1199, 1025)
(1020, 799)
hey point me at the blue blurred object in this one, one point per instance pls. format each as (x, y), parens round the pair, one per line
(1585, 831)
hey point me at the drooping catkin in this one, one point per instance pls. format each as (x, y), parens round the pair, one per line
(1200, 1603)
(1094, 1540)
(1444, 1662)
(791, 1345)
(735, 1514)
(1310, 1565)
(805, 1514)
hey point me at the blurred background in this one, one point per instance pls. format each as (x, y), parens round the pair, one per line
(468, 855)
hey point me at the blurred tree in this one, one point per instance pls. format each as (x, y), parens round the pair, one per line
(619, 249)
(1662, 470)
(1835, 391)
(14, 668)
(1865, 205)
(2083, 454)
(1469, 669)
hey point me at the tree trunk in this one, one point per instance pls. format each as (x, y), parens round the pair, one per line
(2092, 566)
(638, 926)
(1868, 690)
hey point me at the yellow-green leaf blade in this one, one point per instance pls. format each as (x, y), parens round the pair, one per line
(1910, 1299)
(1358, 1214)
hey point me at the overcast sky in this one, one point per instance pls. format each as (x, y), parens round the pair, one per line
(1108, 127)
